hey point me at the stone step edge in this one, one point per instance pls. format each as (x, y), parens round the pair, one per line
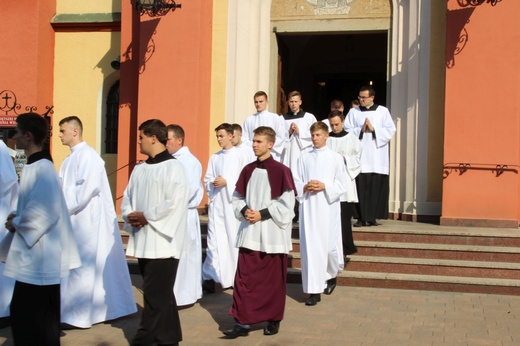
(441, 232)
(460, 280)
(427, 262)
(439, 247)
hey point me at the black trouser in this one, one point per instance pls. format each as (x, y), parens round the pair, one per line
(35, 314)
(347, 209)
(160, 322)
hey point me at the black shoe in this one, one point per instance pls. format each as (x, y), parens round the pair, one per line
(331, 285)
(360, 224)
(66, 326)
(313, 299)
(372, 223)
(5, 322)
(272, 328)
(208, 286)
(236, 332)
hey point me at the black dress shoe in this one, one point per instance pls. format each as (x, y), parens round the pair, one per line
(373, 223)
(331, 285)
(236, 332)
(5, 322)
(313, 299)
(360, 224)
(208, 286)
(66, 326)
(272, 328)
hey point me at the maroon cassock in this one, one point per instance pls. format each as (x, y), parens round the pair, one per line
(260, 280)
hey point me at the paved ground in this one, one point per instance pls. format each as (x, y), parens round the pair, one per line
(350, 316)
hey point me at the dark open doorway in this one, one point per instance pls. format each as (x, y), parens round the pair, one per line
(331, 66)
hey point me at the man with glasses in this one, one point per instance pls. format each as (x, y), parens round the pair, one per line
(374, 127)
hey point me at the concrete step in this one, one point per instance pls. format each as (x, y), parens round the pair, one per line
(498, 237)
(497, 270)
(421, 282)
(439, 251)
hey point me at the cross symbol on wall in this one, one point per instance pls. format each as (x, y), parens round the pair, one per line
(6, 98)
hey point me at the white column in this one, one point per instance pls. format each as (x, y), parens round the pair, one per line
(409, 106)
(248, 56)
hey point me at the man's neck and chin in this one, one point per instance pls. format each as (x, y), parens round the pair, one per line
(264, 157)
(155, 151)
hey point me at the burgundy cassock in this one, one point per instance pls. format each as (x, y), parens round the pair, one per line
(260, 280)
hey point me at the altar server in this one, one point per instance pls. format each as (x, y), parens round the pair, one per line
(155, 209)
(374, 126)
(320, 181)
(8, 196)
(263, 202)
(41, 245)
(188, 287)
(100, 290)
(220, 179)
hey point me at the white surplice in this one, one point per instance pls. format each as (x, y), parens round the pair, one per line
(349, 147)
(320, 221)
(187, 288)
(43, 249)
(160, 190)
(100, 290)
(8, 197)
(247, 152)
(272, 120)
(274, 234)
(297, 144)
(221, 252)
(375, 157)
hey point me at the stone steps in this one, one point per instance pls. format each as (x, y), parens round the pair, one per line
(418, 256)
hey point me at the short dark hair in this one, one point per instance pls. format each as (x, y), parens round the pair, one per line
(177, 130)
(225, 126)
(319, 125)
(260, 93)
(336, 113)
(155, 127)
(35, 124)
(266, 131)
(237, 127)
(336, 104)
(354, 103)
(73, 119)
(371, 91)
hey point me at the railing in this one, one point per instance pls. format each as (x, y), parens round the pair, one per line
(120, 168)
(462, 168)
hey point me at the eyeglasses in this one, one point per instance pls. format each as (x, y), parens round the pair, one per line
(363, 97)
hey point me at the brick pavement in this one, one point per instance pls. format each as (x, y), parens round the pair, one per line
(350, 316)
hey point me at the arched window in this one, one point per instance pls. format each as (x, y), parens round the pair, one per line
(112, 117)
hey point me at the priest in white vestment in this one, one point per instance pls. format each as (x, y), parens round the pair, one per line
(320, 181)
(374, 126)
(8, 197)
(297, 129)
(221, 176)
(40, 249)
(348, 146)
(187, 286)
(155, 209)
(263, 117)
(100, 290)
